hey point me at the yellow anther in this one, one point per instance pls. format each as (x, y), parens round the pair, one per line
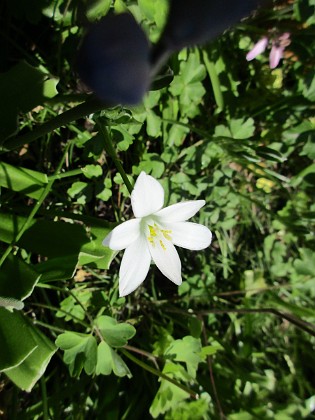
(167, 234)
(152, 231)
(155, 234)
(162, 245)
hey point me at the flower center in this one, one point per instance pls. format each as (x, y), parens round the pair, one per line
(158, 236)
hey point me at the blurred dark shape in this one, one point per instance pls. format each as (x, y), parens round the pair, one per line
(192, 22)
(113, 60)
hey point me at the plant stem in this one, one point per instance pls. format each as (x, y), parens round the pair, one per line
(110, 150)
(68, 174)
(159, 374)
(90, 106)
(35, 209)
(44, 398)
(214, 387)
(300, 323)
(54, 309)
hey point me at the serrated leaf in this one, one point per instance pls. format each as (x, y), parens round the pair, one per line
(186, 350)
(241, 128)
(169, 395)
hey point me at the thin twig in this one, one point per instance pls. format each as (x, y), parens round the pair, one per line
(160, 374)
(144, 353)
(303, 325)
(91, 106)
(209, 362)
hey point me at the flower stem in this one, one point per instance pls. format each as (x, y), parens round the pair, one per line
(110, 150)
(160, 374)
(35, 209)
(88, 107)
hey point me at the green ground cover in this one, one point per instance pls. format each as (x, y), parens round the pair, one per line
(236, 339)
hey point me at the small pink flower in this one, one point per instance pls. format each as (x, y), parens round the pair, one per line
(279, 44)
(275, 55)
(258, 48)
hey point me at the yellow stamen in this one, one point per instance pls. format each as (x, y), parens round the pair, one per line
(157, 234)
(162, 245)
(166, 234)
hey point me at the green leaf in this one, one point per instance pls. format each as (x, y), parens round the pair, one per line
(10, 225)
(108, 360)
(92, 171)
(210, 350)
(59, 268)
(151, 164)
(77, 188)
(80, 352)
(25, 181)
(70, 309)
(16, 344)
(66, 240)
(54, 239)
(21, 89)
(186, 350)
(104, 359)
(122, 138)
(215, 81)
(106, 192)
(241, 128)
(24, 275)
(169, 395)
(186, 410)
(297, 310)
(33, 367)
(305, 265)
(24, 352)
(97, 8)
(93, 252)
(119, 366)
(154, 11)
(187, 85)
(309, 147)
(114, 333)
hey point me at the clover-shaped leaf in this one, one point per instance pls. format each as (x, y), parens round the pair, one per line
(115, 334)
(80, 352)
(108, 360)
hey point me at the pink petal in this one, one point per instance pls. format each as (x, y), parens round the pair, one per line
(275, 56)
(257, 49)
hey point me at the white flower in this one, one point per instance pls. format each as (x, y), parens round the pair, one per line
(153, 234)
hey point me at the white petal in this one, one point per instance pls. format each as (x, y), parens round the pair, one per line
(123, 235)
(257, 49)
(134, 266)
(189, 235)
(167, 260)
(179, 212)
(147, 196)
